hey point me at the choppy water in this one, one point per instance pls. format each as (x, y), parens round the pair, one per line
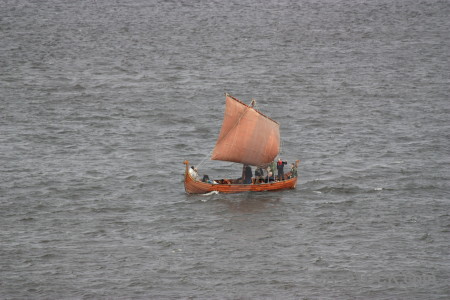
(102, 101)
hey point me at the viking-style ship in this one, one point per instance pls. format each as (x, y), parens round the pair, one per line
(248, 137)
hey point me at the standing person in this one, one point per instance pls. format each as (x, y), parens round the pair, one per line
(280, 168)
(248, 174)
(294, 170)
(272, 167)
(259, 174)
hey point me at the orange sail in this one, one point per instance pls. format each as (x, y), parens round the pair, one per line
(247, 136)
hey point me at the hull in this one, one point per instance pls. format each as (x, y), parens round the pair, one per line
(193, 186)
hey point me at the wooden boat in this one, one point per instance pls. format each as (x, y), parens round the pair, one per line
(249, 137)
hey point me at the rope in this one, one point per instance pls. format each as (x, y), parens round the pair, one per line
(281, 147)
(203, 160)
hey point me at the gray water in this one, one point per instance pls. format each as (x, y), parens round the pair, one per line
(102, 101)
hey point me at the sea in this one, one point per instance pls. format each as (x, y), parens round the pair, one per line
(101, 102)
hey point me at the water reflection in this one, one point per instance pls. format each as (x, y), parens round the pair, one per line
(249, 203)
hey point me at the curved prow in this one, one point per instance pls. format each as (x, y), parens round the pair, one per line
(186, 162)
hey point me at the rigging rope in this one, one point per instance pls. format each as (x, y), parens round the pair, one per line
(203, 160)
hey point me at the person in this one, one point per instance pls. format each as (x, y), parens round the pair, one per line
(272, 167)
(193, 172)
(247, 174)
(207, 180)
(280, 168)
(269, 176)
(259, 174)
(293, 170)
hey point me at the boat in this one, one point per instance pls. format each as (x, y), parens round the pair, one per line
(249, 137)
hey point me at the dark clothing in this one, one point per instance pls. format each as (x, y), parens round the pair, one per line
(259, 172)
(259, 175)
(269, 179)
(248, 175)
(280, 168)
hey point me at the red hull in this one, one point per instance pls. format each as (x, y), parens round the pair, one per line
(193, 186)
